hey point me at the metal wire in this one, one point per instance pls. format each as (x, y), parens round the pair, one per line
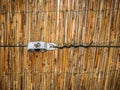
(102, 10)
(76, 46)
(87, 46)
(72, 45)
(13, 45)
(80, 73)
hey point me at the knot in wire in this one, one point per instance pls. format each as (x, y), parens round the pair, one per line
(74, 46)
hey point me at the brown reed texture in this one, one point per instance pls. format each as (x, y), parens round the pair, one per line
(62, 22)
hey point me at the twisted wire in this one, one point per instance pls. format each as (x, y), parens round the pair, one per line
(87, 46)
(73, 45)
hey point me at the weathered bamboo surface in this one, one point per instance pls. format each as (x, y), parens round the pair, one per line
(62, 22)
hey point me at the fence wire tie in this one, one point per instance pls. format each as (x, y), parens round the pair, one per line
(75, 46)
(44, 46)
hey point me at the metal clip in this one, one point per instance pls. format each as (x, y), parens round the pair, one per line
(40, 46)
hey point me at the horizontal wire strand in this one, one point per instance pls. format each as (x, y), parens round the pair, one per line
(97, 46)
(86, 45)
(35, 72)
(102, 10)
(13, 45)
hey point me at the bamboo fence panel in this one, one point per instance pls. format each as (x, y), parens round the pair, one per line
(63, 22)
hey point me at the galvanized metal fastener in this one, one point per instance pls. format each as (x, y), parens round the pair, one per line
(40, 46)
